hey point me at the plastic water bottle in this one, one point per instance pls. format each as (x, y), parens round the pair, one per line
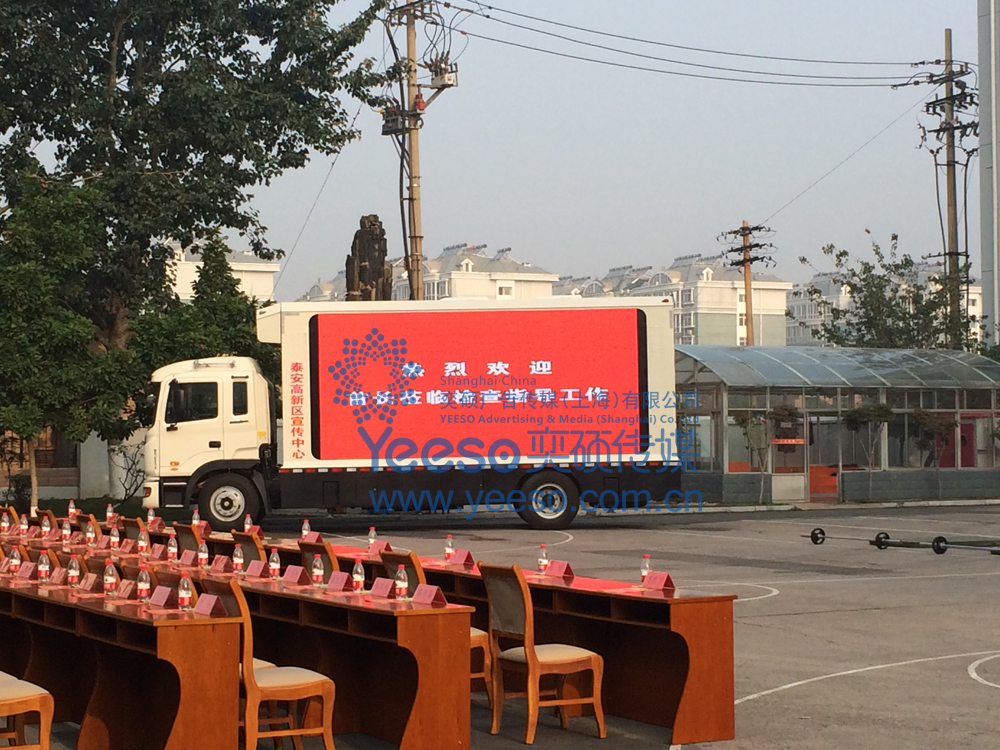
(543, 558)
(67, 532)
(238, 558)
(73, 571)
(15, 560)
(184, 592)
(195, 517)
(142, 543)
(402, 585)
(150, 517)
(274, 563)
(203, 554)
(46, 526)
(109, 513)
(4, 524)
(247, 523)
(91, 535)
(71, 509)
(109, 578)
(142, 584)
(358, 575)
(449, 548)
(372, 536)
(645, 567)
(116, 537)
(172, 546)
(24, 525)
(306, 528)
(44, 568)
(318, 570)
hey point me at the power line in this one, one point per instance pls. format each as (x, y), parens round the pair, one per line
(672, 72)
(288, 258)
(686, 48)
(681, 62)
(846, 159)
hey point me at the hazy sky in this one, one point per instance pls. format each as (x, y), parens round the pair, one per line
(580, 167)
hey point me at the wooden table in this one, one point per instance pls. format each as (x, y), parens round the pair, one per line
(401, 669)
(131, 676)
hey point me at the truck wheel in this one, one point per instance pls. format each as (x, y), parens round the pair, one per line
(224, 499)
(553, 501)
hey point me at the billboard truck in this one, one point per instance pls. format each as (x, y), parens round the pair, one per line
(538, 406)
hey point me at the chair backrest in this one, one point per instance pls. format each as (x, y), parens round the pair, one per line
(253, 546)
(167, 577)
(325, 551)
(511, 613)
(236, 606)
(411, 564)
(188, 537)
(132, 527)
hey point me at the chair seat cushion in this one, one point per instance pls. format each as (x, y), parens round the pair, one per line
(547, 653)
(258, 664)
(11, 690)
(287, 677)
(477, 633)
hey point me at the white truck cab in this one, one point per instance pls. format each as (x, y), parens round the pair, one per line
(212, 426)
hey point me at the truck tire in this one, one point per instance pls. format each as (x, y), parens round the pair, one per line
(552, 501)
(224, 499)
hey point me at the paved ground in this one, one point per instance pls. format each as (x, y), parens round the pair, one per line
(837, 646)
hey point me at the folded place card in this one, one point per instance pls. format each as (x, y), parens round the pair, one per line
(104, 542)
(222, 564)
(340, 581)
(157, 524)
(257, 569)
(127, 547)
(58, 577)
(312, 537)
(76, 538)
(189, 557)
(90, 582)
(658, 581)
(164, 597)
(559, 569)
(126, 590)
(33, 532)
(5, 565)
(157, 552)
(27, 572)
(204, 528)
(462, 557)
(378, 545)
(427, 594)
(255, 530)
(210, 605)
(295, 575)
(383, 587)
(55, 535)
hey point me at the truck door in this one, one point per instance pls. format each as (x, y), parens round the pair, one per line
(191, 432)
(241, 421)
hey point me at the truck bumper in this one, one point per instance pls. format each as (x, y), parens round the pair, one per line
(151, 494)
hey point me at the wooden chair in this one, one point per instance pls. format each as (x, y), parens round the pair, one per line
(479, 639)
(53, 519)
(18, 698)
(252, 545)
(97, 525)
(188, 536)
(512, 617)
(132, 527)
(325, 551)
(277, 684)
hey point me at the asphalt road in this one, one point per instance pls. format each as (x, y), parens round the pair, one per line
(837, 646)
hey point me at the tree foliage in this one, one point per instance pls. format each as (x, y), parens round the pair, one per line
(892, 305)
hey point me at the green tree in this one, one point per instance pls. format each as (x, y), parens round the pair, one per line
(50, 374)
(891, 305)
(170, 112)
(220, 320)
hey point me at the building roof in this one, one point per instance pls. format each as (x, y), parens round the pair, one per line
(799, 367)
(690, 268)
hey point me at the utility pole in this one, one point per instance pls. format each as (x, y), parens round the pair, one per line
(747, 282)
(415, 267)
(745, 258)
(951, 189)
(404, 120)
